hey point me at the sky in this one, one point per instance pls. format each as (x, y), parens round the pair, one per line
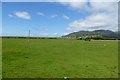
(51, 19)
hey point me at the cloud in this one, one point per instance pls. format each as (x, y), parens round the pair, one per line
(65, 33)
(104, 0)
(53, 16)
(41, 14)
(75, 4)
(90, 5)
(95, 21)
(103, 15)
(23, 15)
(56, 33)
(10, 15)
(110, 7)
(66, 17)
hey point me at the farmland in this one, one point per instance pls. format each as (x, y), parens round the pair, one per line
(58, 58)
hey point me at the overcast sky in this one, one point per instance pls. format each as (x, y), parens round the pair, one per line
(58, 18)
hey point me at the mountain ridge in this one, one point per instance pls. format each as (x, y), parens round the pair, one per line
(101, 32)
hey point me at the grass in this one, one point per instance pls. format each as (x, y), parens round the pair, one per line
(0, 58)
(58, 58)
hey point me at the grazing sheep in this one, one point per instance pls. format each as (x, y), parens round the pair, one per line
(66, 78)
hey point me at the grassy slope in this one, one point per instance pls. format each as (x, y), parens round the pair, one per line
(55, 58)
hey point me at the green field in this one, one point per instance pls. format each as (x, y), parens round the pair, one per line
(58, 58)
(0, 58)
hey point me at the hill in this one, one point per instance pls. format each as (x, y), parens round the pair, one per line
(103, 33)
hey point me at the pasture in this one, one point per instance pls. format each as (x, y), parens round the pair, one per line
(58, 58)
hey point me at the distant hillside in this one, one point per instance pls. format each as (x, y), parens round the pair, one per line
(103, 33)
